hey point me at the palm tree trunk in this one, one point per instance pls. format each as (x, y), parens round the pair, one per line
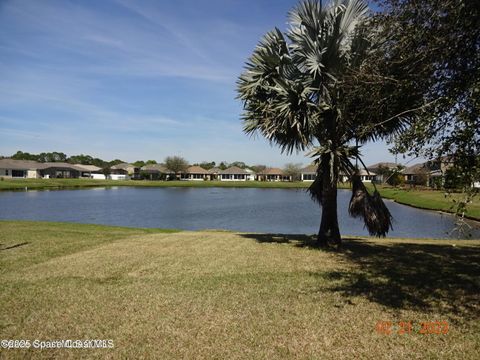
(329, 232)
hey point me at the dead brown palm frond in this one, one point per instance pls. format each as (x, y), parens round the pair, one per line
(370, 208)
(316, 188)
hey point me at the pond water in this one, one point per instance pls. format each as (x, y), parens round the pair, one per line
(288, 211)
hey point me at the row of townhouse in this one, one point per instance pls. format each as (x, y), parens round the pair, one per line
(28, 169)
(197, 173)
(431, 173)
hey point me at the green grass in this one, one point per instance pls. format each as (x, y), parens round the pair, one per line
(19, 184)
(430, 199)
(228, 295)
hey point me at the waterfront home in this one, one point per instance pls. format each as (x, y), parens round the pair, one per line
(366, 176)
(214, 173)
(90, 171)
(233, 173)
(155, 172)
(10, 168)
(377, 170)
(195, 173)
(125, 169)
(308, 173)
(252, 176)
(34, 170)
(273, 174)
(416, 174)
(59, 170)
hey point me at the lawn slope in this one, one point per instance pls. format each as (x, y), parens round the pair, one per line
(225, 295)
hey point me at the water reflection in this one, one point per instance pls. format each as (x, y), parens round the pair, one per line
(288, 211)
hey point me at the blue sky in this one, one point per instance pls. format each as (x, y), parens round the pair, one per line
(134, 79)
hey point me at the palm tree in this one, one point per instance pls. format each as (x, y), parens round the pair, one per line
(294, 90)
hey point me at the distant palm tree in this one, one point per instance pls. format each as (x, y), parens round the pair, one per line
(293, 89)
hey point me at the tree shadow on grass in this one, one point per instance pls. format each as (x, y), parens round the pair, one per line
(410, 276)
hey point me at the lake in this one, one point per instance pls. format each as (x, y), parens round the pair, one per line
(289, 211)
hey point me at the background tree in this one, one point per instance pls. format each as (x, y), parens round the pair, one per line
(295, 91)
(258, 168)
(176, 164)
(428, 60)
(239, 164)
(139, 163)
(207, 165)
(20, 155)
(293, 171)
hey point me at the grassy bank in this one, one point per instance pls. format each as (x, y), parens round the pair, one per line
(430, 199)
(226, 295)
(19, 184)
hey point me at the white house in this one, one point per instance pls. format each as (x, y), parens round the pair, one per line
(233, 173)
(195, 173)
(251, 175)
(273, 174)
(308, 173)
(10, 168)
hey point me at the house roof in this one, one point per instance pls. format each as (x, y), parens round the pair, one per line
(271, 171)
(19, 164)
(155, 168)
(310, 169)
(214, 170)
(388, 165)
(234, 170)
(421, 168)
(122, 166)
(62, 165)
(363, 172)
(196, 170)
(87, 167)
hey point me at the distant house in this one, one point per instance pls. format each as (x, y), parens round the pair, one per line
(214, 173)
(378, 170)
(366, 176)
(20, 169)
(60, 170)
(308, 173)
(416, 174)
(273, 174)
(233, 173)
(90, 171)
(251, 175)
(195, 173)
(155, 172)
(129, 170)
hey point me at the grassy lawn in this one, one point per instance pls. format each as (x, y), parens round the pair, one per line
(18, 184)
(430, 199)
(233, 296)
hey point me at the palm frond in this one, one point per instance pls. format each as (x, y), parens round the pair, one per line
(370, 208)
